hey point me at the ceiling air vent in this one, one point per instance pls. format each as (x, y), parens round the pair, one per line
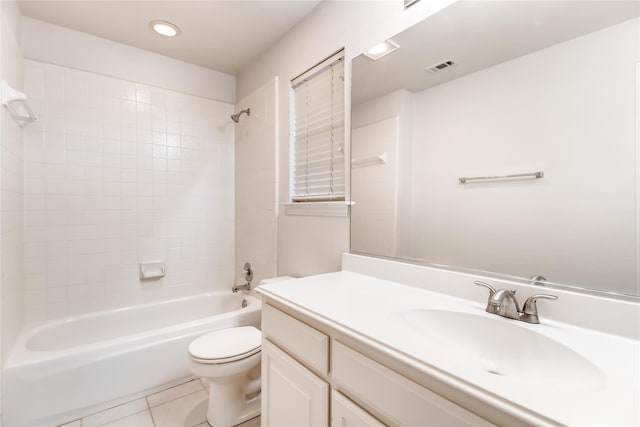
(439, 67)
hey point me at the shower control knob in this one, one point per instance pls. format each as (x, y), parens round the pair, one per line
(247, 272)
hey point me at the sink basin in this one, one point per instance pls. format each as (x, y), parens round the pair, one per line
(499, 347)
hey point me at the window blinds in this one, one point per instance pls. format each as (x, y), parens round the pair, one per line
(318, 132)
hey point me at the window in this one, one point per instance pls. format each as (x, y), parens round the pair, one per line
(318, 132)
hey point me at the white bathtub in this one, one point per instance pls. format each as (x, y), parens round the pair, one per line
(62, 368)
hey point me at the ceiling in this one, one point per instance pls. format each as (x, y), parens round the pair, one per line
(477, 35)
(223, 35)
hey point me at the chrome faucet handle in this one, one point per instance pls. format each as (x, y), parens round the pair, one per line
(537, 280)
(492, 290)
(247, 272)
(530, 309)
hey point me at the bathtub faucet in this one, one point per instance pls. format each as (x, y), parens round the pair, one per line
(247, 274)
(245, 287)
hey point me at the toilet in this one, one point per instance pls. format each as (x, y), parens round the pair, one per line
(230, 360)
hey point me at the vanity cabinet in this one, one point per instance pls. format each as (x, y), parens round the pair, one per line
(345, 413)
(291, 394)
(302, 365)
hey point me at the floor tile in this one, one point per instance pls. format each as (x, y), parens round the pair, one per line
(75, 423)
(115, 413)
(174, 392)
(186, 411)
(253, 422)
(141, 419)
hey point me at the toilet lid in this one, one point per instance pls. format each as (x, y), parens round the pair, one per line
(226, 344)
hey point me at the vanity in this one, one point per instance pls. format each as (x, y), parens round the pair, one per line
(356, 348)
(492, 143)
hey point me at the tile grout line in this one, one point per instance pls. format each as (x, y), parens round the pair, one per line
(118, 419)
(147, 404)
(148, 408)
(176, 398)
(153, 421)
(172, 400)
(179, 397)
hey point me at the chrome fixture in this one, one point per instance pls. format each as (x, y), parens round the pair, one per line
(503, 303)
(537, 280)
(533, 175)
(245, 287)
(247, 274)
(236, 117)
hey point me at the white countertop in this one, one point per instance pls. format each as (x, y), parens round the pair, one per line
(367, 307)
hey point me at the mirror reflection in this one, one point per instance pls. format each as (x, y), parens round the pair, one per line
(494, 89)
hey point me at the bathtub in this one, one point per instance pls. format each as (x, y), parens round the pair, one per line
(60, 370)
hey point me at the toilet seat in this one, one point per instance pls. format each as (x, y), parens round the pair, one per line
(226, 345)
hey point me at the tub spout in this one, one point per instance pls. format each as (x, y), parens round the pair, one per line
(245, 287)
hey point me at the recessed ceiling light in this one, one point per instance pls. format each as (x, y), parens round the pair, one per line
(165, 28)
(381, 49)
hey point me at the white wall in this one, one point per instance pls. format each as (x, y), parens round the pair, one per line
(374, 215)
(310, 245)
(256, 183)
(398, 188)
(11, 197)
(568, 110)
(58, 45)
(118, 173)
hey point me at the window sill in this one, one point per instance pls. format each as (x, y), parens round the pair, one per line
(329, 209)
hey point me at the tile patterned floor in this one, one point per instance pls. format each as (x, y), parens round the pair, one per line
(184, 405)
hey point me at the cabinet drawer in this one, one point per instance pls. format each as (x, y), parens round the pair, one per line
(394, 398)
(345, 413)
(307, 344)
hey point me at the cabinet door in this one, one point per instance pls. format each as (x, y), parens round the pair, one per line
(345, 413)
(291, 394)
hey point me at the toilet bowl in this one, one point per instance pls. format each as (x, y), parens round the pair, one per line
(230, 360)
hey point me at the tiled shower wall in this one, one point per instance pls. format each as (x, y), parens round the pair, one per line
(11, 179)
(118, 173)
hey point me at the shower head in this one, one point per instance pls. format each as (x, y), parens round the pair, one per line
(236, 117)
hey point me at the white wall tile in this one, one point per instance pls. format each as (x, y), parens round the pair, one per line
(12, 287)
(108, 187)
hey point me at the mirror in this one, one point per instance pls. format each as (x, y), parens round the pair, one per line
(494, 89)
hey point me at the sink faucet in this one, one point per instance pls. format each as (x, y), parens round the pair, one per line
(503, 303)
